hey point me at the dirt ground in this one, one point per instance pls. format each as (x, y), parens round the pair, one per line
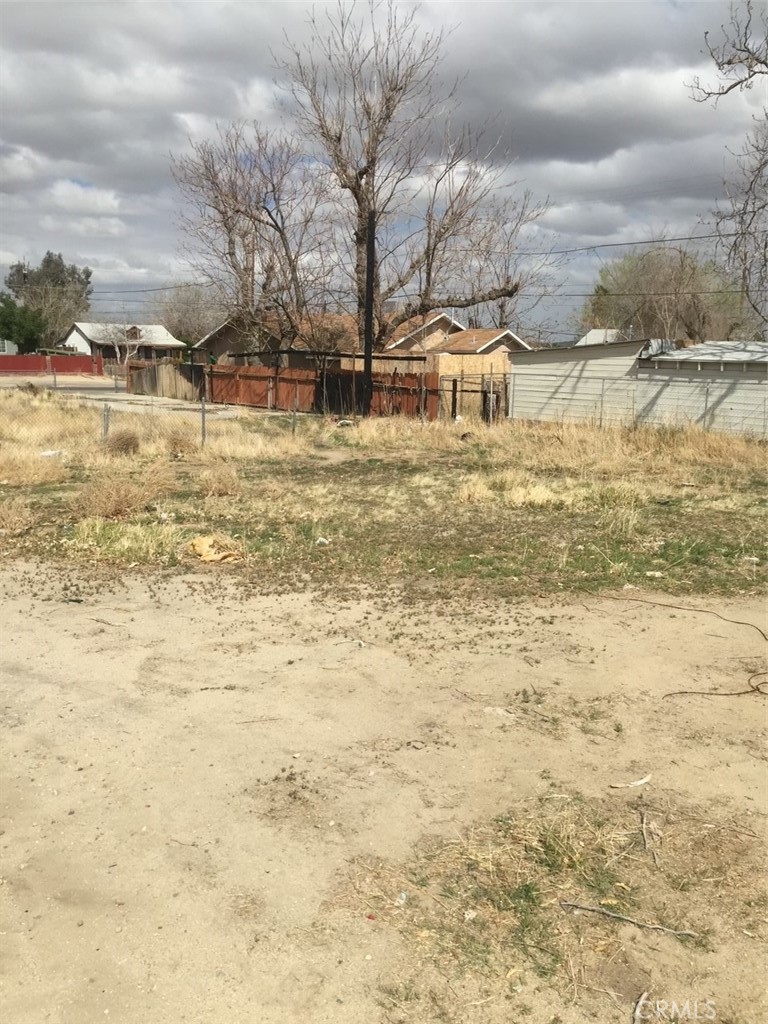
(190, 772)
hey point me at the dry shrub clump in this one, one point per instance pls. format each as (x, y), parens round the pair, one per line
(115, 495)
(16, 515)
(122, 442)
(221, 480)
(181, 442)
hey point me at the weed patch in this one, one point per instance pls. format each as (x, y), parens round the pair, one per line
(489, 905)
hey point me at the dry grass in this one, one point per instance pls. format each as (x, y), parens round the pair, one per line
(31, 423)
(401, 499)
(100, 540)
(578, 450)
(220, 481)
(30, 469)
(487, 905)
(16, 516)
(112, 494)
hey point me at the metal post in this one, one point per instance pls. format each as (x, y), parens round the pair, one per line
(461, 393)
(53, 371)
(602, 398)
(454, 398)
(511, 396)
(295, 409)
(491, 400)
(105, 423)
(423, 399)
(706, 405)
(114, 378)
(202, 421)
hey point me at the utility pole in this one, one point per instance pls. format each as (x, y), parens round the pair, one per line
(370, 271)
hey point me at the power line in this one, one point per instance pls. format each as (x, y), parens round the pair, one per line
(542, 295)
(613, 245)
(499, 252)
(162, 288)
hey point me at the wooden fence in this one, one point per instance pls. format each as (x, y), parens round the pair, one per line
(166, 379)
(336, 392)
(33, 365)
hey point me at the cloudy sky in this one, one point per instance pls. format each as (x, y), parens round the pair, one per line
(592, 96)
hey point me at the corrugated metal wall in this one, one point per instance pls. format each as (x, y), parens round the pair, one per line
(724, 402)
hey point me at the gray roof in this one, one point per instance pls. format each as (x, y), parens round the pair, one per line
(600, 336)
(150, 335)
(719, 352)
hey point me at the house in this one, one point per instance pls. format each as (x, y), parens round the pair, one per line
(442, 333)
(121, 341)
(266, 342)
(423, 333)
(600, 336)
(233, 337)
(482, 341)
(8, 348)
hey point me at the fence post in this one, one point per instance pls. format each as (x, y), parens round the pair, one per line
(461, 392)
(511, 396)
(202, 420)
(423, 397)
(53, 371)
(454, 398)
(295, 408)
(105, 423)
(706, 404)
(602, 398)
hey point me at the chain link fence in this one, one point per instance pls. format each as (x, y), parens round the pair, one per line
(46, 423)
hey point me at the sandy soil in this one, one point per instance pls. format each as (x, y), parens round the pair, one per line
(156, 869)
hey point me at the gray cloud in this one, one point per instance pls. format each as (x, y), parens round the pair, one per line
(589, 98)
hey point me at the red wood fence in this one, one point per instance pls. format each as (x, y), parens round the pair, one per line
(335, 391)
(32, 365)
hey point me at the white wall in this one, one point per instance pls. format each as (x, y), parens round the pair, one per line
(731, 403)
(76, 341)
(619, 360)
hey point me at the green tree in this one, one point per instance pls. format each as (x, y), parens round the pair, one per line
(667, 292)
(23, 326)
(57, 291)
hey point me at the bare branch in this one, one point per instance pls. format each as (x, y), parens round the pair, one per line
(742, 55)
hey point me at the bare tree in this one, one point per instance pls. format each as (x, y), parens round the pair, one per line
(254, 219)
(188, 311)
(741, 59)
(124, 339)
(367, 92)
(742, 223)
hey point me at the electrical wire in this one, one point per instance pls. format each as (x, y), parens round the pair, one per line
(544, 252)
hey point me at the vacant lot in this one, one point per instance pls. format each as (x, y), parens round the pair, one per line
(375, 761)
(432, 509)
